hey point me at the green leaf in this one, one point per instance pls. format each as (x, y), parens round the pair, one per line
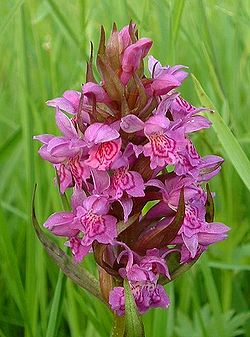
(177, 14)
(56, 306)
(118, 326)
(6, 21)
(228, 141)
(63, 22)
(133, 322)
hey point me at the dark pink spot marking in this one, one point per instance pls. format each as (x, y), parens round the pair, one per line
(162, 146)
(61, 173)
(191, 217)
(192, 151)
(93, 224)
(123, 179)
(184, 104)
(76, 169)
(106, 152)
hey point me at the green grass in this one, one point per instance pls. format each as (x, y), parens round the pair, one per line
(44, 46)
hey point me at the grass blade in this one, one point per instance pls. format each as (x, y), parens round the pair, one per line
(133, 322)
(56, 306)
(230, 144)
(177, 13)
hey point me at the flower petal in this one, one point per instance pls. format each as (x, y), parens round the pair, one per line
(131, 123)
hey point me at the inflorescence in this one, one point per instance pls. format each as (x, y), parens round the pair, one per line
(138, 198)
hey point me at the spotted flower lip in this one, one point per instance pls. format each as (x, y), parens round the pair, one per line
(92, 219)
(105, 145)
(72, 173)
(127, 154)
(164, 144)
(127, 181)
(101, 156)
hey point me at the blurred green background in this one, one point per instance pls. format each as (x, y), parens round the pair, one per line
(44, 47)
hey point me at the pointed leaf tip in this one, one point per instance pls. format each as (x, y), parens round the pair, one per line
(133, 322)
(102, 47)
(209, 206)
(114, 28)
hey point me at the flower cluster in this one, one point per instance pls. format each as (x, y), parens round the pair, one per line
(125, 145)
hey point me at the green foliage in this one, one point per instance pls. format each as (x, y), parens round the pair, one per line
(44, 49)
(133, 322)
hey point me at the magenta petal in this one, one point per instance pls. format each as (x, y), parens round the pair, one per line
(59, 147)
(95, 90)
(165, 104)
(100, 228)
(45, 154)
(216, 228)
(117, 300)
(207, 239)
(95, 203)
(209, 167)
(191, 244)
(65, 124)
(73, 97)
(101, 180)
(156, 183)
(61, 224)
(121, 161)
(160, 298)
(160, 210)
(155, 124)
(69, 102)
(65, 177)
(100, 205)
(78, 250)
(132, 57)
(44, 138)
(163, 84)
(111, 231)
(62, 104)
(127, 205)
(78, 197)
(138, 189)
(138, 149)
(124, 37)
(131, 123)
(153, 65)
(99, 133)
(211, 161)
(101, 156)
(196, 123)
